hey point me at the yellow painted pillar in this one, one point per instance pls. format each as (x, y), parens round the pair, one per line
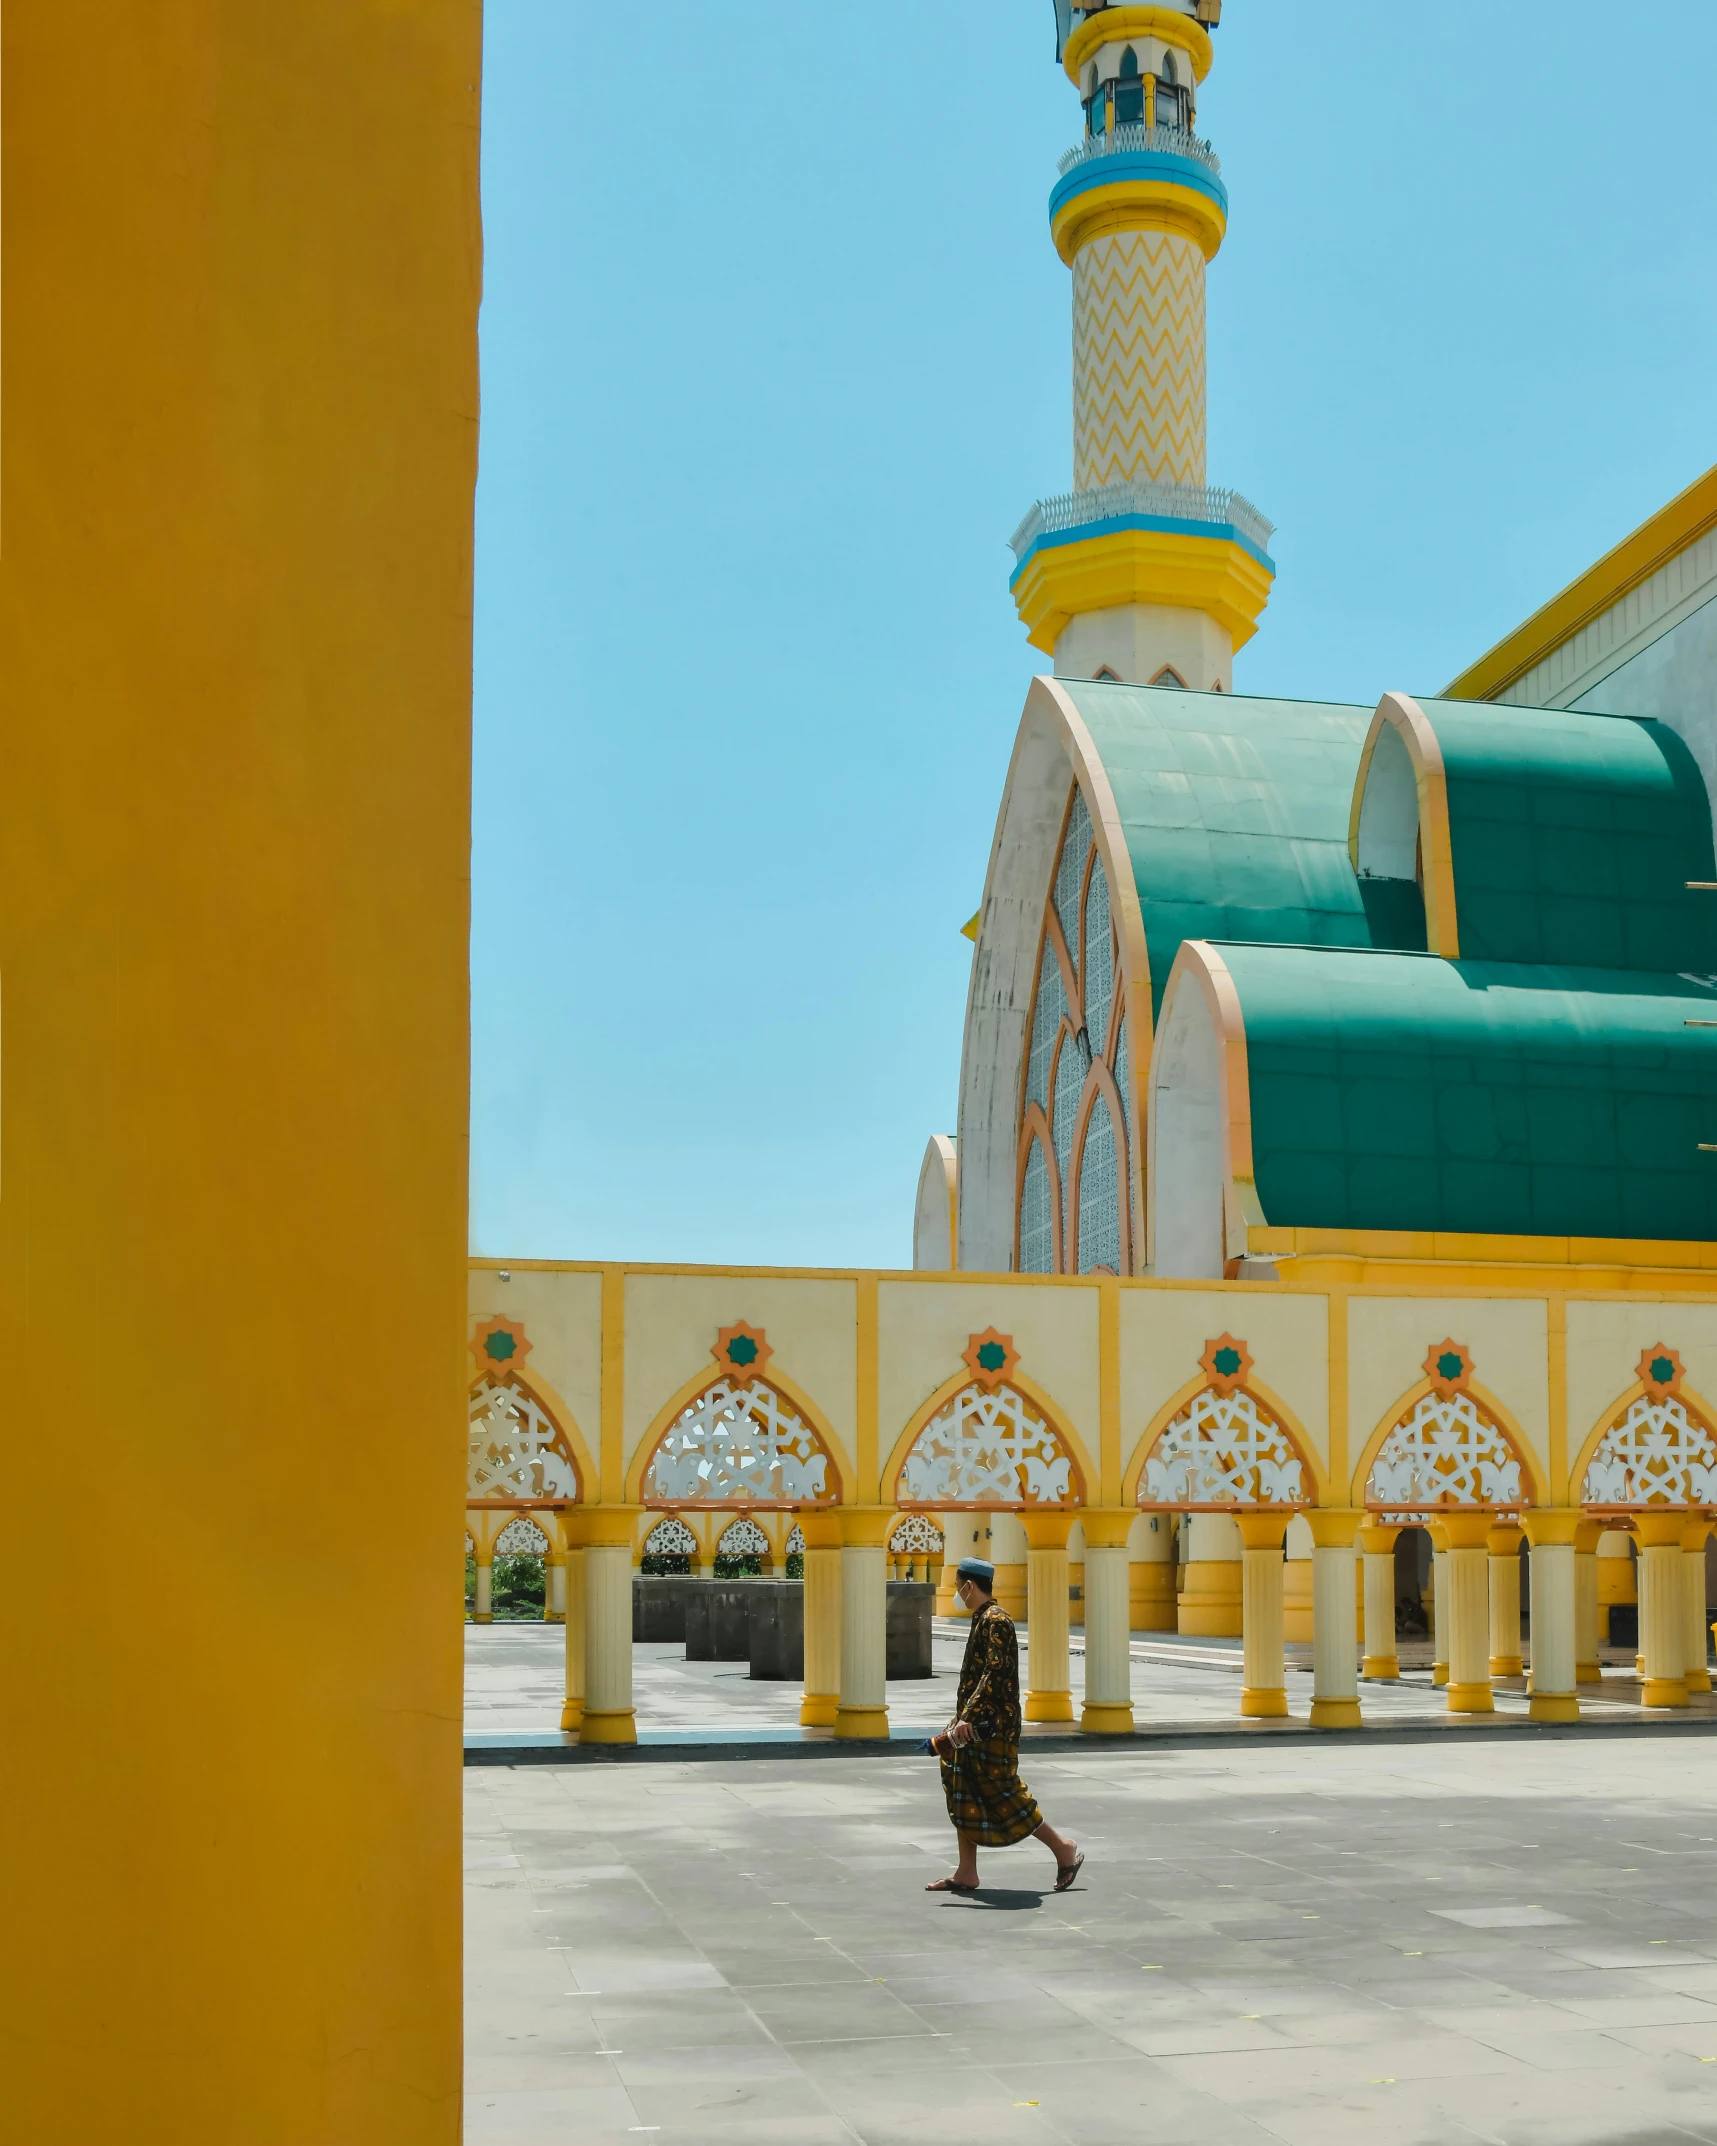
(1662, 1608)
(577, 1581)
(1108, 1708)
(1587, 1668)
(1503, 1544)
(482, 1611)
(608, 1716)
(1693, 1534)
(1552, 1533)
(1617, 1575)
(863, 1710)
(1377, 1546)
(1439, 1603)
(554, 1588)
(1335, 1633)
(1264, 1689)
(1005, 1547)
(1151, 1574)
(1297, 1584)
(1049, 1693)
(821, 1529)
(1468, 1535)
(1210, 1592)
(962, 1536)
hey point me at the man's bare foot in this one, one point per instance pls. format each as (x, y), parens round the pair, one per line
(956, 1884)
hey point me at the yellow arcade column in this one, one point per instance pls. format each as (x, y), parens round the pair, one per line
(1210, 1589)
(1377, 1547)
(1552, 1534)
(1108, 1707)
(1468, 1536)
(1049, 1683)
(1503, 1544)
(1662, 1608)
(1439, 1603)
(554, 1588)
(577, 1619)
(242, 258)
(1151, 1573)
(1587, 1668)
(1264, 1690)
(822, 1699)
(608, 1715)
(865, 1529)
(1698, 1672)
(1335, 1635)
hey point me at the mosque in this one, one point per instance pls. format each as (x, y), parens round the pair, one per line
(1330, 1221)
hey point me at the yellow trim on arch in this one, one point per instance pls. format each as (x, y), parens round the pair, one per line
(563, 1419)
(1402, 714)
(1137, 204)
(1121, 25)
(1487, 1404)
(1045, 1404)
(1273, 1406)
(1694, 1404)
(700, 1382)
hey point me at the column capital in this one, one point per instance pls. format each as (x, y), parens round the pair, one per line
(1262, 1530)
(1107, 1527)
(1334, 1527)
(1049, 1529)
(1586, 1535)
(1502, 1538)
(1377, 1538)
(1552, 1526)
(1659, 1531)
(1468, 1530)
(865, 1527)
(821, 1526)
(605, 1527)
(1694, 1532)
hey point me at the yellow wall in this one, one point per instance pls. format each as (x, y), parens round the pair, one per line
(1163, 1333)
(241, 262)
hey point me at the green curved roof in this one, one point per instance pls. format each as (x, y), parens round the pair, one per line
(1398, 1091)
(1573, 838)
(1235, 814)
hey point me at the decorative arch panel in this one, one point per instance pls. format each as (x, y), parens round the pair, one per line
(1657, 1453)
(1224, 1451)
(517, 1453)
(988, 1446)
(916, 1536)
(743, 1539)
(1445, 1451)
(521, 1538)
(740, 1443)
(670, 1538)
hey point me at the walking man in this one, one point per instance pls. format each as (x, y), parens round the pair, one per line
(989, 1804)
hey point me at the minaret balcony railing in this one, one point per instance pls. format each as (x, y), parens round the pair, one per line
(1155, 141)
(1205, 504)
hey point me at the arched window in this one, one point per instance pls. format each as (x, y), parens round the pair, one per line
(1130, 66)
(1171, 99)
(1096, 102)
(1076, 1036)
(1169, 676)
(1130, 92)
(1168, 72)
(1107, 676)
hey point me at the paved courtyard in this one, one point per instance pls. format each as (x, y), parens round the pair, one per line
(1451, 1940)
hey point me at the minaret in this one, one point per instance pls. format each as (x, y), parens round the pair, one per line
(1142, 572)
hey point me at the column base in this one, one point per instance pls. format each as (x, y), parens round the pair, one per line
(1439, 1674)
(1381, 1668)
(1266, 1705)
(1471, 1699)
(482, 1616)
(1049, 1706)
(1336, 1714)
(1100, 1720)
(817, 1710)
(1507, 1665)
(617, 1727)
(1698, 1680)
(1554, 1706)
(865, 1723)
(572, 1715)
(1588, 1673)
(1664, 1691)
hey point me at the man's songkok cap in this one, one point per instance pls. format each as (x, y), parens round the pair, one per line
(977, 1568)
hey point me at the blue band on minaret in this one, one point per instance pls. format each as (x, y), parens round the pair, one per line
(1136, 164)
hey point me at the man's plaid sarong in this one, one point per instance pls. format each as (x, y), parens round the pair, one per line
(987, 1800)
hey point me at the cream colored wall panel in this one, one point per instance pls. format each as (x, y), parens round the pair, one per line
(1163, 1333)
(1389, 1338)
(561, 1314)
(672, 1321)
(925, 1326)
(1604, 1345)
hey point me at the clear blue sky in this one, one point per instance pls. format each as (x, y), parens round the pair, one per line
(775, 355)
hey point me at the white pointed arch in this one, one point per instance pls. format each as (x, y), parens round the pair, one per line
(1223, 1452)
(988, 1448)
(516, 1454)
(916, 1536)
(521, 1537)
(739, 1444)
(670, 1538)
(1656, 1451)
(742, 1538)
(1443, 1451)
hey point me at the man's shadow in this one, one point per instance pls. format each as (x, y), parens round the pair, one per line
(1010, 1900)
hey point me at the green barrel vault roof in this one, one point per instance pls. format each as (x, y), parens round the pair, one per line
(1398, 1091)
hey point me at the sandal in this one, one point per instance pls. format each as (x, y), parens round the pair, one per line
(949, 1885)
(1067, 1872)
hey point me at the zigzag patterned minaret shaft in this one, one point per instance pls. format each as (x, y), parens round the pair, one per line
(1138, 360)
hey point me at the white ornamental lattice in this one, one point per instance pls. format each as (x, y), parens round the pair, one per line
(744, 1539)
(987, 1449)
(1223, 1449)
(515, 1450)
(1444, 1453)
(1658, 1454)
(671, 1538)
(739, 1445)
(521, 1538)
(796, 1541)
(916, 1537)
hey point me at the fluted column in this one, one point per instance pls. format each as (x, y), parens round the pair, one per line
(1049, 1695)
(482, 1611)
(1698, 1641)
(1377, 1546)
(1504, 1547)
(821, 1702)
(575, 1586)
(1587, 1668)
(1439, 1603)
(1552, 1534)
(1210, 1593)
(1469, 1689)
(863, 1711)
(1108, 1708)
(1662, 1609)
(1264, 1689)
(608, 1714)
(1151, 1574)
(1335, 1635)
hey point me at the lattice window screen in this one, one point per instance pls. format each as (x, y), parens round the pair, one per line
(1099, 1195)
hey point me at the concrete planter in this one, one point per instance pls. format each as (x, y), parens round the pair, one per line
(659, 1606)
(718, 1620)
(909, 1606)
(778, 1630)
